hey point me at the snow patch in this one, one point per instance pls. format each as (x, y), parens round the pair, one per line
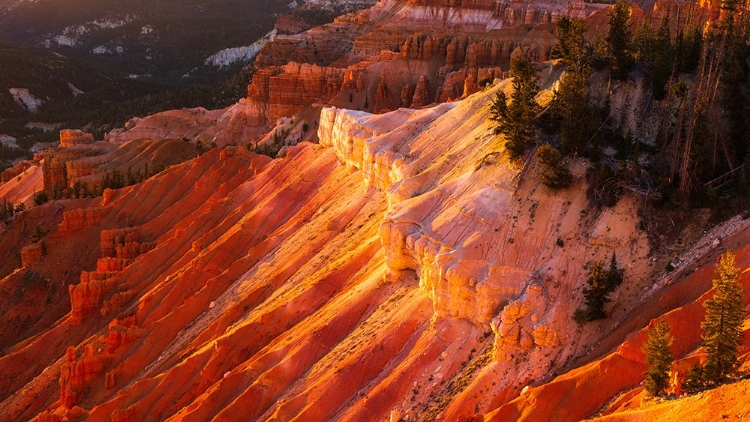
(145, 30)
(112, 23)
(14, 4)
(106, 50)
(8, 141)
(245, 54)
(66, 40)
(71, 35)
(23, 97)
(76, 92)
(41, 146)
(44, 127)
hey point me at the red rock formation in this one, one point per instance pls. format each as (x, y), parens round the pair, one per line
(110, 264)
(288, 23)
(31, 254)
(80, 219)
(113, 239)
(119, 332)
(76, 373)
(322, 46)
(55, 177)
(463, 83)
(407, 93)
(294, 87)
(70, 137)
(89, 294)
(421, 94)
(222, 127)
(22, 181)
(453, 87)
(382, 100)
(15, 171)
(84, 167)
(351, 53)
(56, 163)
(119, 247)
(49, 417)
(372, 276)
(87, 163)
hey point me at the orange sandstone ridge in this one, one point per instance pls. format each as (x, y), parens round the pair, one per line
(400, 269)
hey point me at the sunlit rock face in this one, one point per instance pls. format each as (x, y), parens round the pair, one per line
(466, 256)
(415, 53)
(401, 268)
(402, 257)
(401, 54)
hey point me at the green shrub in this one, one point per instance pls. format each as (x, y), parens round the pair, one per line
(41, 198)
(554, 173)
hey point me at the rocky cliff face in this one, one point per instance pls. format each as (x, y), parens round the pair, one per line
(283, 91)
(400, 268)
(466, 259)
(373, 60)
(80, 160)
(70, 137)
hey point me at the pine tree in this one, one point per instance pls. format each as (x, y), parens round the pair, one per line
(658, 358)
(722, 325)
(571, 104)
(691, 45)
(619, 39)
(644, 41)
(694, 381)
(517, 120)
(601, 283)
(614, 274)
(661, 68)
(572, 47)
(596, 294)
(734, 83)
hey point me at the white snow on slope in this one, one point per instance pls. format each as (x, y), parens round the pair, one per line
(8, 141)
(24, 98)
(245, 54)
(71, 35)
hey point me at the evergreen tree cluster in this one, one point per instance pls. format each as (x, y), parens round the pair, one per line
(517, 119)
(722, 333)
(113, 179)
(572, 48)
(697, 114)
(664, 57)
(570, 113)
